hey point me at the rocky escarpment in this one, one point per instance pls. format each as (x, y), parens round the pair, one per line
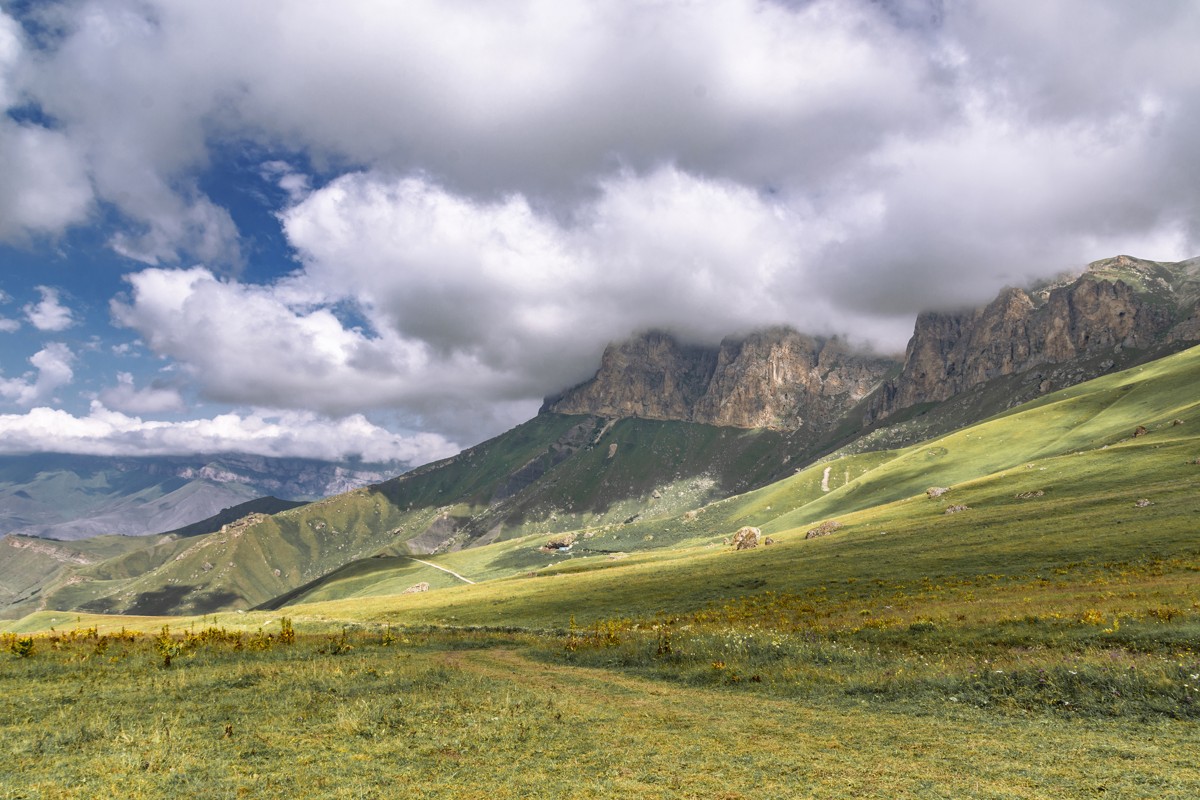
(1052, 336)
(1118, 304)
(772, 379)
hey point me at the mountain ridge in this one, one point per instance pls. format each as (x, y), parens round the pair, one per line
(632, 477)
(1119, 308)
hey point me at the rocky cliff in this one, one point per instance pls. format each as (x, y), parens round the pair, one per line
(1055, 335)
(776, 378)
(1118, 304)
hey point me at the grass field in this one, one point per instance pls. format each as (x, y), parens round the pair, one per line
(1044, 641)
(383, 713)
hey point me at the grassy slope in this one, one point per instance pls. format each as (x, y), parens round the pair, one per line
(1023, 648)
(553, 473)
(1075, 446)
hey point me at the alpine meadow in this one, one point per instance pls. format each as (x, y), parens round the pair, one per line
(737, 399)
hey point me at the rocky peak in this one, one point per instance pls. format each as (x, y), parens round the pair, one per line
(1070, 321)
(651, 376)
(776, 378)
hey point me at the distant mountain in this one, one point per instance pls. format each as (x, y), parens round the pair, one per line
(61, 496)
(663, 431)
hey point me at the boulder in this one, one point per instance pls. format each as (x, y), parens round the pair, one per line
(824, 529)
(746, 538)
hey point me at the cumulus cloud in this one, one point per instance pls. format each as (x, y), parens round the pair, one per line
(532, 97)
(829, 103)
(293, 434)
(53, 371)
(153, 399)
(49, 314)
(456, 303)
(497, 190)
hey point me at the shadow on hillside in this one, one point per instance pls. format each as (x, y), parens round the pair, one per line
(169, 600)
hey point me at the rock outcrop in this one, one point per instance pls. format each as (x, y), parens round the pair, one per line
(776, 378)
(1019, 331)
(1057, 335)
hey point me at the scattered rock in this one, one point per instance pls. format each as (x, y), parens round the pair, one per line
(1140, 430)
(206, 566)
(1176, 422)
(1143, 503)
(768, 540)
(746, 538)
(617, 556)
(561, 540)
(656, 494)
(1029, 495)
(417, 588)
(956, 509)
(824, 529)
(934, 492)
(612, 449)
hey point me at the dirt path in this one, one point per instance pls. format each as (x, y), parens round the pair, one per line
(825, 480)
(443, 569)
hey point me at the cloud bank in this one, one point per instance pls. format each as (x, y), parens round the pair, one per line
(479, 196)
(300, 435)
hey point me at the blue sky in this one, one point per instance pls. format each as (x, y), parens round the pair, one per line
(386, 231)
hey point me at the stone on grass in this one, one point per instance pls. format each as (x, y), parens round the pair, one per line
(824, 529)
(746, 538)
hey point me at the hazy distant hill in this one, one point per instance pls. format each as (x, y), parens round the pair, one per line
(64, 496)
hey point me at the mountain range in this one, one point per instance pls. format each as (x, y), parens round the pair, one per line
(644, 451)
(61, 496)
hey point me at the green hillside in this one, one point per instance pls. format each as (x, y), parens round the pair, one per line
(636, 492)
(1054, 482)
(1039, 640)
(554, 473)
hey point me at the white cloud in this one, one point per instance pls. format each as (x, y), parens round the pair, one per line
(49, 314)
(514, 184)
(462, 304)
(53, 371)
(10, 56)
(300, 435)
(9, 325)
(43, 181)
(534, 97)
(125, 396)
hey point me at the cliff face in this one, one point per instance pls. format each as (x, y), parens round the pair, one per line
(771, 379)
(951, 353)
(651, 376)
(778, 378)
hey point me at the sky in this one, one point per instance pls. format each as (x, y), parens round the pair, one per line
(385, 231)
